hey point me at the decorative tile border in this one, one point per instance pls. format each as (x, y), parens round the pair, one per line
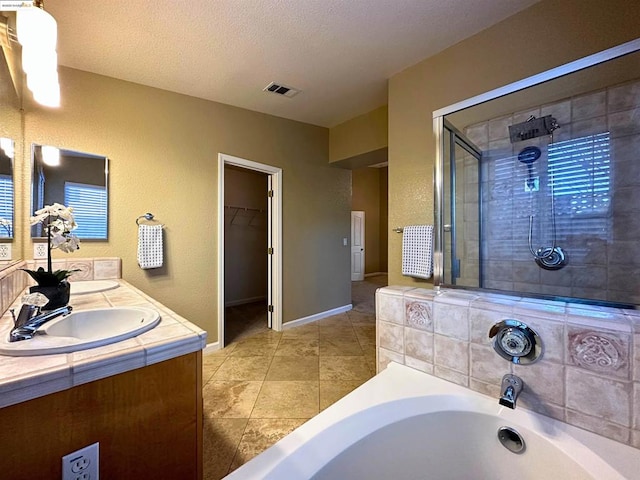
(588, 376)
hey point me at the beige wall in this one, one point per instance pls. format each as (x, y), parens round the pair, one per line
(368, 195)
(359, 135)
(163, 150)
(550, 33)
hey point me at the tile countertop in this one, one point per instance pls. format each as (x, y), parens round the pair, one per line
(25, 378)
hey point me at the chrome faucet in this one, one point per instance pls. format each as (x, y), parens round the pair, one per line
(30, 319)
(511, 388)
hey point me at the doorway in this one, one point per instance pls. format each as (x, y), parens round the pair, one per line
(245, 214)
(357, 246)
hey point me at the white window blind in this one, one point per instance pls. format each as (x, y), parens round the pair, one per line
(580, 169)
(6, 205)
(89, 204)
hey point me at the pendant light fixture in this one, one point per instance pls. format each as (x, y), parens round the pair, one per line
(37, 33)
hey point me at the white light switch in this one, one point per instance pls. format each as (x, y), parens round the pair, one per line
(5, 251)
(345, 241)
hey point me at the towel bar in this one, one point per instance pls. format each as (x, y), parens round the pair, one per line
(147, 216)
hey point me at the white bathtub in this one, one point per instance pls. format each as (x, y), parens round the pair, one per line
(406, 425)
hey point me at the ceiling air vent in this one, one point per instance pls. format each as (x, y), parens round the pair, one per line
(280, 89)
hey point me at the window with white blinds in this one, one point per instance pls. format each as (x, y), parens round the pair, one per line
(89, 204)
(6, 206)
(581, 171)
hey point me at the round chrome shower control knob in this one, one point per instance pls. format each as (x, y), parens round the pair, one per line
(516, 342)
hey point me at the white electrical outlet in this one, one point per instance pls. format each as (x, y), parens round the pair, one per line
(5, 251)
(82, 464)
(39, 251)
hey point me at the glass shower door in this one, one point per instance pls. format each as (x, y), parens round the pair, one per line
(461, 210)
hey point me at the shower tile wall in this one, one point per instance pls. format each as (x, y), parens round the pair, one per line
(598, 232)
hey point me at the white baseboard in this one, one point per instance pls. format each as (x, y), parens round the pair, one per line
(211, 347)
(243, 301)
(316, 316)
(375, 274)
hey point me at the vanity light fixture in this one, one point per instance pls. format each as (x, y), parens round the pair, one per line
(37, 33)
(50, 155)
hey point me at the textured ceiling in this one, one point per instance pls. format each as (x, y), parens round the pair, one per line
(340, 53)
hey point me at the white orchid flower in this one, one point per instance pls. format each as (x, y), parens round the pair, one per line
(59, 223)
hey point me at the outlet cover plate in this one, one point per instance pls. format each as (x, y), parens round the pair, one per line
(39, 251)
(82, 464)
(5, 251)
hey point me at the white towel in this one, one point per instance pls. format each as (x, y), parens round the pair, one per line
(149, 246)
(417, 251)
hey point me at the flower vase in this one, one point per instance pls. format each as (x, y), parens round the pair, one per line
(58, 295)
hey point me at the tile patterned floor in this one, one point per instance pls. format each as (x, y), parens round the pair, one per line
(264, 385)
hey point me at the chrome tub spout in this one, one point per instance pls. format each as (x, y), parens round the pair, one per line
(511, 388)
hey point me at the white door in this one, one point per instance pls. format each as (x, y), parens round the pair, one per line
(357, 246)
(270, 252)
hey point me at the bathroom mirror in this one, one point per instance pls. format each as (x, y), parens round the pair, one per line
(74, 179)
(7, 154)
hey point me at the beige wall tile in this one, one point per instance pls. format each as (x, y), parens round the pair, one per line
(599, 425)
(421, 365)
(104, 269)
(451, 375)
(481, 321)
(387, 356)
(451, 321)
(589, 106)
(624, 97)
(85, 267)
(598, 396)
(451, 354)
(418, 344)
(486, 365)
(391, 336)
(543, 380)
(389, 308)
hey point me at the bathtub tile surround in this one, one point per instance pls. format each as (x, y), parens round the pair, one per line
(589, 375)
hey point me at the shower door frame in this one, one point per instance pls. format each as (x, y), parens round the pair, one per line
(456, 138)
(439, 126)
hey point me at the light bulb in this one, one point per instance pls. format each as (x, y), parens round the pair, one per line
(50, 156)
(36, 27)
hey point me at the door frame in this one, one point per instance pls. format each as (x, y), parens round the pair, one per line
(276, 229)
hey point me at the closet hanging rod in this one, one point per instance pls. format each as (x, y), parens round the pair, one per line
(246, 209)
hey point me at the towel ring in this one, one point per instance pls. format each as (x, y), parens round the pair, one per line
(146, 216)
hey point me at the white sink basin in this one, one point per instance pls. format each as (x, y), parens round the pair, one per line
(83, 329)
(92, 286)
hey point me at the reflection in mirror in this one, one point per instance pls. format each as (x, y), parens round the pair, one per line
(75, 179)
(6, 187)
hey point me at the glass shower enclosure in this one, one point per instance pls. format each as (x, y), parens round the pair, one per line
(537, 184)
